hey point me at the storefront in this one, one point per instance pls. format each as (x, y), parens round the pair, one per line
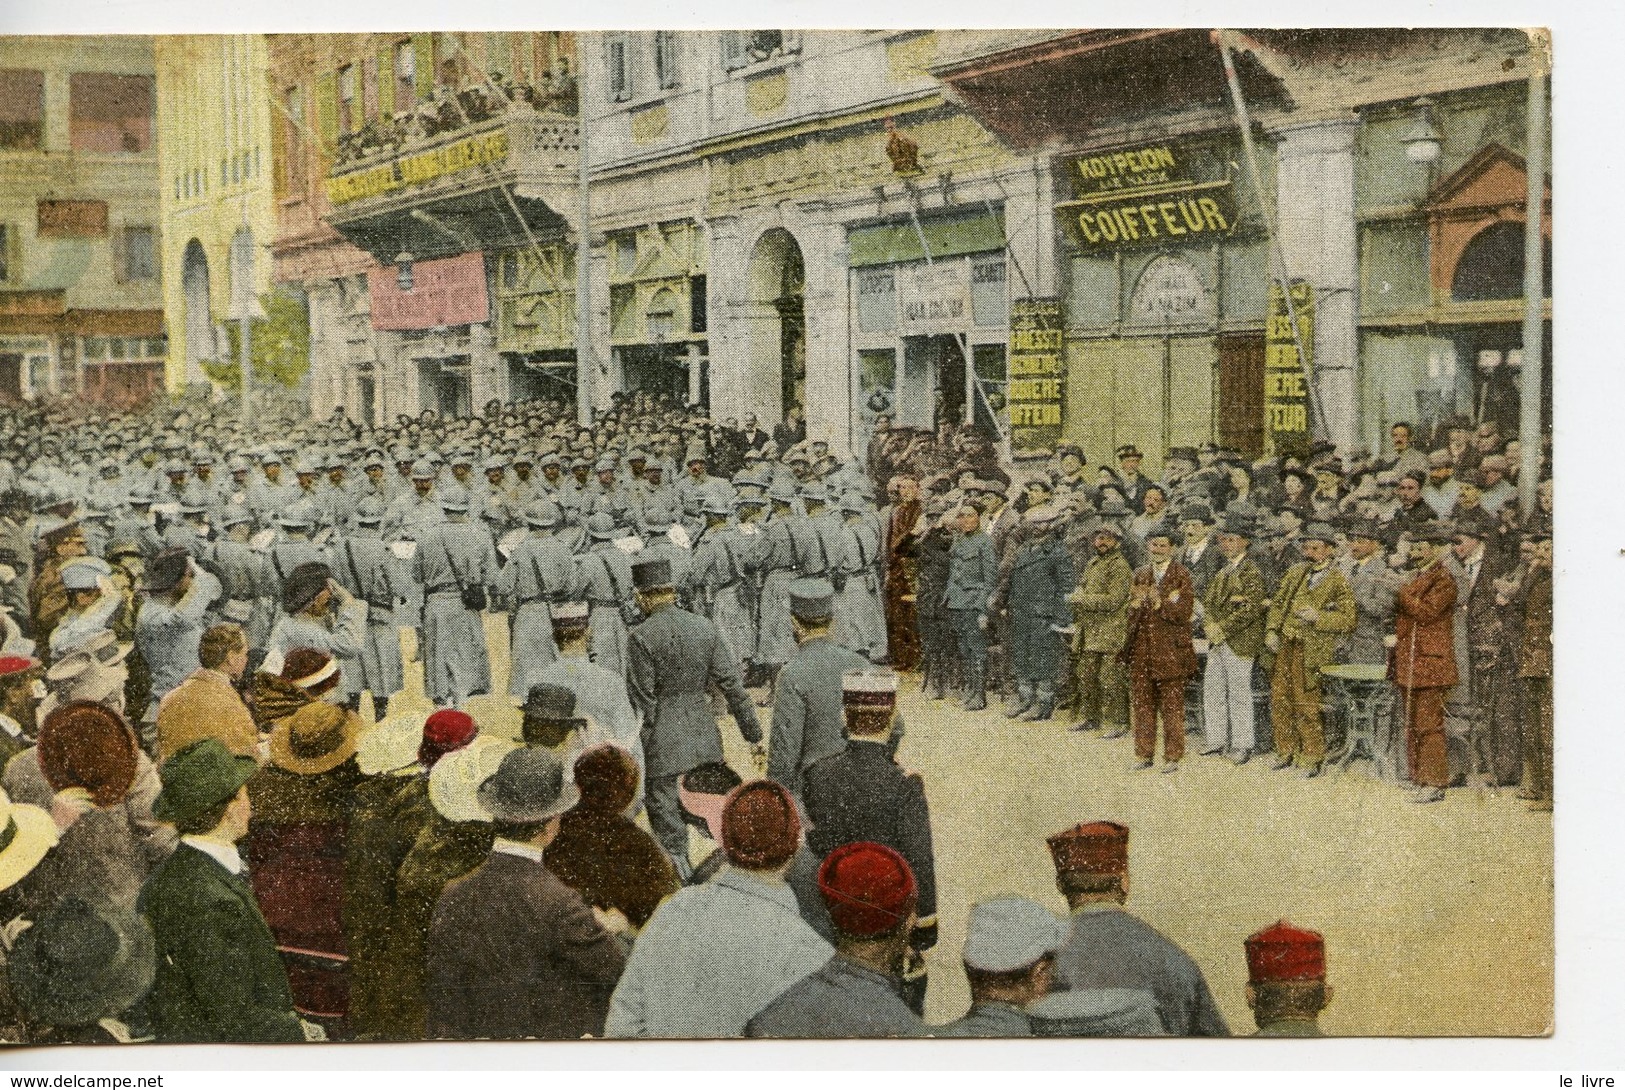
(657, 311)
(536, 322)
(437, 318)
(1166, 290)
(931, 307)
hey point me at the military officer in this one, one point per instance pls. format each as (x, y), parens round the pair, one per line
(249, 586)
(718, 581)
(364, 566)
(808, 713)
(1286, 980)
(539, 573)
(455, 565)
(605, 575)
(860, 622)
(1009, 959)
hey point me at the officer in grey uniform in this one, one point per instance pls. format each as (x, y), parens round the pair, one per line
(809, 718)
(539, 573)
(364, 566)
(605, 575)
(270, 495)
(786, 545)
(657, 542)
(456, 566)
(1009, 958)
(860, 622)
(294, 546)
(718, 582)
(248, 585)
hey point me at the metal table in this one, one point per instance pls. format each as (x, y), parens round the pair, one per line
(1368, 714)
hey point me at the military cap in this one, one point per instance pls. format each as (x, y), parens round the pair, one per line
(580, 463)
(637, 456)
(1284, 952)
(870, 687)
(657, 519)
(1007, 934)
(651, 573)
(813, 491)
(373, 457)
(463, 458)
(744, 500)
(568, 615)
(1096, 847)
(1042, 514)
(854, 503)
(370, 511)
(297, 516)
(1128, 450)
(868, 888)
(238, 464)
(454, 499)
(175, 467)
(1183, 454)
(423, 470)
(543, 514)
(811, 600)
(602, 526)
(524, 458)
(1097, 1012)
(548, 458)
(83, 572)
(605, 464)
(1440, 459)
(782, 491)
(720, 507)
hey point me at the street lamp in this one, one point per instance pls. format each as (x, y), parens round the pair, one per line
(1423, 141)
(403, 271)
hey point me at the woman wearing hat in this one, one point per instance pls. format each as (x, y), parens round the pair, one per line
(296, 843)
(78, 970)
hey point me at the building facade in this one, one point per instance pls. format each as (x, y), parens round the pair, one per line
(80, 302)
(1388, 167)
(215, 167)
(422, 176)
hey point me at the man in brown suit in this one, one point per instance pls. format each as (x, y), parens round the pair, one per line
(1159, 652)
(206, 704)
(513, 952)
(1422, 661)
(1312, 611)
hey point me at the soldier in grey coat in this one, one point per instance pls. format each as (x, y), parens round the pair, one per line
(453, 559)
(972, 571)
(171, 621)
(672, 658)
(539, 573)
(604, 575)
(1009, 959)
(860, 622)
(249, 587)
(718, 581)
(363, 565)
(809, 718)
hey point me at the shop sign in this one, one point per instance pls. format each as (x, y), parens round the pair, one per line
(1170, 292)
(1145, 196)
(425, 166)
(936, 298)
(1037, 373)
(1286, 389)
(447, 292)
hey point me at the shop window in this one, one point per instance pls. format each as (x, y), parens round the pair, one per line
(140, 254)
(877, 300)
(109, 114)
(617, 69)
(989, 294)
(22, 109)
(665, 59)
(95, 348)
(347, 99)
(622, 312)
(1394, 266)
(406, 80)
(72, 219)
(1491, 267)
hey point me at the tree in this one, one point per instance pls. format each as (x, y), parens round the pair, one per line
(279, 344)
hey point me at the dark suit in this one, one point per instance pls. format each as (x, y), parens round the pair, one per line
(515, 953)
(1160, 658)
(861, 794)
(672, 658)
(1485, 644)
(219, 976)
(809, 720)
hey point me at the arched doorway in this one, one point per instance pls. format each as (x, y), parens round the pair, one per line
(199, 327)
(777, 281)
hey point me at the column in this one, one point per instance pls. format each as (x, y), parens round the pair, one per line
(487, 375)
(1315, 219)
(829, 356)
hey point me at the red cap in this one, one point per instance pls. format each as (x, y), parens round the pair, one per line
(446, 731)
(868, 888)
(17, 664)
(1096, 847)
(1284, 952)
(760, 826)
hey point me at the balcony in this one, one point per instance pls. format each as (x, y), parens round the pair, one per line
(434, 191)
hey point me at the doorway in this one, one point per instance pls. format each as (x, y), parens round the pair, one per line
(776, 315)
(933, 386)
(445, 386)
(1241, 394)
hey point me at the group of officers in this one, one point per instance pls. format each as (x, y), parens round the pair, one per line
(646, 600)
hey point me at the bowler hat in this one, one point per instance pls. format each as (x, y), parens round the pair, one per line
(166, 570)
(198, 777)
(81, 962)
(88, 745)
(528, 786)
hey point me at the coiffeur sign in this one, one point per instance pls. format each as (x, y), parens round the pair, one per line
(425, 166)
(1144, 196)
(1037, 373)
(1286, 389)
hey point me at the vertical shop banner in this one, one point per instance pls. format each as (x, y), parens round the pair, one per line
(1286, 389)
(1037, 373)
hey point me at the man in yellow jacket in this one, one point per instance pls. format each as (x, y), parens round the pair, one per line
(1313, 609)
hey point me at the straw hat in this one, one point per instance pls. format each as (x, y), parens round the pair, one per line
(455, 782)
(317, 738)
(26, 834)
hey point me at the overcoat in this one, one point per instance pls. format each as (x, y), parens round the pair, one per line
(1423, 656)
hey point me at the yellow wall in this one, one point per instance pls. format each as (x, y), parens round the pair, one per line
(213, 105)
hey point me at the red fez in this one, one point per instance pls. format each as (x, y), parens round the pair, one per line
(17, 664)
(1284, 952)
(760, 826)
(868, 888)
(1096, 847)
(446, 731)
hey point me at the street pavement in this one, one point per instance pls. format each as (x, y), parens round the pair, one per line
(1438, 919)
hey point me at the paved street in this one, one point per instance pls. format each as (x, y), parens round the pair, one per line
(1438, 919)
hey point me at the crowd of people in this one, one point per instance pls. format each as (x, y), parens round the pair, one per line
(217, 828)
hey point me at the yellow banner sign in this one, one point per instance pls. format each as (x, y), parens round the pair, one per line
(425, 166)
(1037, 373)
(1286, 384)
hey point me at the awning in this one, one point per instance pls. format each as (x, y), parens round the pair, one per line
(948, 236)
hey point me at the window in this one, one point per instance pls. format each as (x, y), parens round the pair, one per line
(22, 109)
(743, 48)
(293, 162)
(140, 254)
(108, 114)
(666, 59)
(10, 267)
(620, 77)
(72, 219)
(369, 88)
(347, 99)
(625, 244)
(406, 80)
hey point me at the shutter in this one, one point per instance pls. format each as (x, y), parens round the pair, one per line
(386, 82)
(327, 111)
(424, 71)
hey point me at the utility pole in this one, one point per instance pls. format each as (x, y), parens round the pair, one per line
(1534, 281)
(586, 366)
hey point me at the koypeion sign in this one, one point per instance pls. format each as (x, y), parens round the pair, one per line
(1144, 196)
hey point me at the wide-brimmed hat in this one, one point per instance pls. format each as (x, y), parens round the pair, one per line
(26, 834)
(528, 786)
(198, 777)
(88, 745)
(390, 745)
(317, 738)
(304, 583)
(454, 783)
(81, 962)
